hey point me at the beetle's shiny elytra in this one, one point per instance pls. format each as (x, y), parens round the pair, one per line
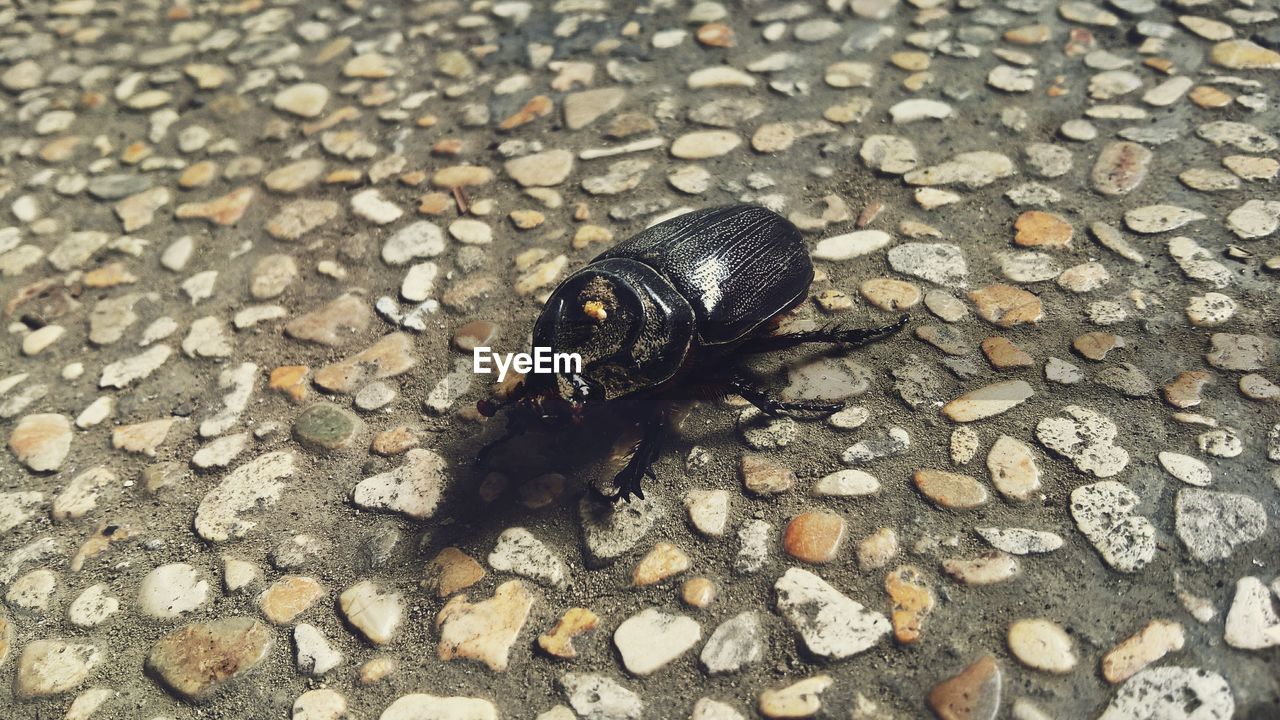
(675, 304)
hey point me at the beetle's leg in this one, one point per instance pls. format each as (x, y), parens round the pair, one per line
(774, 407)
(516, 426)
(834, 333)
(630, 481)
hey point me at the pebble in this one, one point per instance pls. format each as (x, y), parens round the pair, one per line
(1252, 623)
(1229, 351)
(575, 622)
(950, 490)
(452, 570)
(198, 659)
(596, 696)
(375, 612)
(698, 592)
(304, 99)
(830, 625)
(1085, 437)
(413, 489)
(814, 536)
(420, 706)
(651, 639)
(1198, 263)
(989, 569)
(988, 401)
(1020, 541)
(519, 551)
(1211, 524)
(169, 591)
(1042, 645)
(1160, 218)
(913, 602)
(1155, 640)
(754, 539)
(1104, 513)
(609, 532)
(851, 245)
(41, 441)
(255, 485)
(798, 700)
(971, 694)
(313, 654)
(319, 704)
(889, 154)
(50, 667)
(877, 549)
(484, 631)
(289, 597)
(939, 263)
(708, 511)
(1172, 693)
(1007, 306)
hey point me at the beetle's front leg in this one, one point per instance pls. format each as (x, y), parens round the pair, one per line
(630, 481)
(774, 407)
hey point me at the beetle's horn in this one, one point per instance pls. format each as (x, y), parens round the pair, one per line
(594, 309)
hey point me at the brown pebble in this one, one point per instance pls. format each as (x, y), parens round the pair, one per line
(715, 35)
(396, 441)
(538, 106)
(870, 213)
(1003, 354)
(1039, 229)
(663, 561)
(290, 380)
(912, 602)
(1184, 390)
(559, 641)
(1095, 345)
(972, 694)
(951, 490)
(814, 536)
(435, 203)
(477, 333)
(889, 294)
(452, 570)
(1006, 305)
(698, 592)
(762, 476)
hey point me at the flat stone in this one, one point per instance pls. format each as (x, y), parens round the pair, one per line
(1252, 623)
(544, 169)
(880, 443)
(1211, 524)
(1228, 351)
(1160, 218)
(1042, 645)
(413, 489)
(559, 641)
(971, 170)
(1155, 640)
(41, 441)
(1120, 168)
(295, 176)
(704, 144)
(665, 560)
(971, 694)
(53, 667)
(1198, 263)
(583, 108)
(798, 700)
(735, 643)
(708, 511)
(372, 206)
(1020, 541)
(1036, 228)
(851, 245)
(913, 602)
(226, 210)
(1172, 693)
(289, 597)
(1003, 354)
(375, 612)
(889, 154)
(519, 551)
(301, 217)
(830, 625)
(939, 263)
(950, 490)
(1244, 55)
(304, 99)
(988, 401)
(762, 476)
(325, 426)
(198, 659)
(333, 324)
(596, 696)
(484, 631)
(991, 568)
(651, 639)
(1007, 306)
(1086, 438)
(610, 531)
(420, 706)
(1104, 513)
(877, 549)
(255, 485)
(172, 590)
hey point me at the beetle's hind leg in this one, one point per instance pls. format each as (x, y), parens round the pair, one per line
(630, 481)
(773, 407)
(834, 333)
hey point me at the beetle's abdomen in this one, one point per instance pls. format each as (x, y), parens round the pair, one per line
(737, 266)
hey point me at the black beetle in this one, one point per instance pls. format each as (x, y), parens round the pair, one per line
(672, 306)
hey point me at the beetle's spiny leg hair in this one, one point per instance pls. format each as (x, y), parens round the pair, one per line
(774, 407)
